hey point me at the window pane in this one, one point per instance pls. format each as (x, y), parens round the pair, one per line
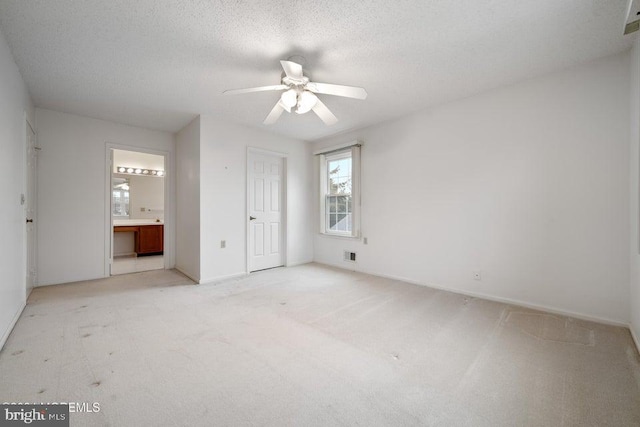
(339, 192)
(339, 214)
(331, 204)
(339, 176)
(344, 204)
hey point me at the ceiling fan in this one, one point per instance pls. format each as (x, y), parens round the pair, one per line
(300, 94)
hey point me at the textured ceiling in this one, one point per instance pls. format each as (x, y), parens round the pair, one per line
(157, 64)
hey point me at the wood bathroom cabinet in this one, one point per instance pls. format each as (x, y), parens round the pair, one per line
(149, 239)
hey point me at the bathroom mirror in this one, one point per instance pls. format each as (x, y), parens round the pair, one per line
(120, 194)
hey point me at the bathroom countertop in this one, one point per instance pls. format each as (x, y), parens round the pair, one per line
(133, 222)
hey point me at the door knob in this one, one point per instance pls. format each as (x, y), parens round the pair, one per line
(29, 220)
(251, 218)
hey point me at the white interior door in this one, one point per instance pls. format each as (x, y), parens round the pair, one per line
(110, 192)
(30, 207)
(266, 228)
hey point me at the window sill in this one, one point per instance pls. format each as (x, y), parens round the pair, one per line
(338, 236)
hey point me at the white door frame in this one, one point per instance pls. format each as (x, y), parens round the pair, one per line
(169, 208)
(24, 199)
(284, 202)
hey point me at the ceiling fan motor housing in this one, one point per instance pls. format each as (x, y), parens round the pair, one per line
(293, 81)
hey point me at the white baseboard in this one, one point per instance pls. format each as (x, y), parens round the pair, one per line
(351, 266)
(295, 264)
(72, 280)
(127, 254)
(541, 307)
(187, 274)
(223, 278)
(6, 334)
(635, 337)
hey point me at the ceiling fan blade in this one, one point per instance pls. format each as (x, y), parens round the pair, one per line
(337, 90)
(324, 113)
(291, 69)
(275, 114)
(254, 89)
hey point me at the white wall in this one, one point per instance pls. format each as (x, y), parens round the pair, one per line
(14, 103)
(634, 159)
(188, 200)
(71, 198)
(527, 184)
(223, 211)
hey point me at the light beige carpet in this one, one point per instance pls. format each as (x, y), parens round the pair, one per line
(312, 345)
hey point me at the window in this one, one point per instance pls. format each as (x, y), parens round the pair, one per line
(340, 199)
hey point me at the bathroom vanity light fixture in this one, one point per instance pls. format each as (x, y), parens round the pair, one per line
(138, 171)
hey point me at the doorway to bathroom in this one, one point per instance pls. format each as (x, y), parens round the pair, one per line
(137, 211)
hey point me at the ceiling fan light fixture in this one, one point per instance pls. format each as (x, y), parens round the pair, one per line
(289, 99)
(283, 106)
(300, 94)
(306, 101)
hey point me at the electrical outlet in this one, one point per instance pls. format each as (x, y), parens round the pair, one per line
(223, 244)
(477, 275)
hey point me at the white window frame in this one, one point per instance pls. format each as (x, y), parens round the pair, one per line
(325, 157)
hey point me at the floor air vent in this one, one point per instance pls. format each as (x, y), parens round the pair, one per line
(349, 256)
